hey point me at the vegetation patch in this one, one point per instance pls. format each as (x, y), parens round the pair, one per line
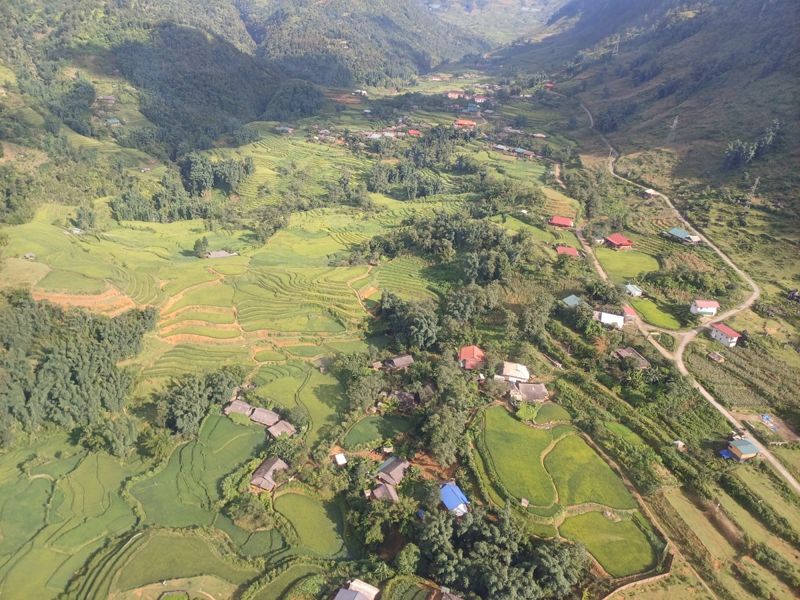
(375, 429)
(622, 266)
(317, 523)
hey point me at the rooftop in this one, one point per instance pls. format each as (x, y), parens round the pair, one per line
(728, 331)
(567, 251)
(617, 239)
(706, 304)
(561, 221)
(282, 428)
(451, 495)
(572, 301)
(744, 446)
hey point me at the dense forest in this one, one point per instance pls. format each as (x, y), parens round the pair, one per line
(59, 368)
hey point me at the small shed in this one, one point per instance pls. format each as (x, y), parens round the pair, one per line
(609, 320)
(453, 499)
(340, 459)
(641, 362)
(633, 290)
(572, 301)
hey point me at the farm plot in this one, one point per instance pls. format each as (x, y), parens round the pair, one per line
(621, 547)
(515, 453)
(281, 587)
(623, 266)
(405, 277)
(167, 556)
(581, 476)
(318, 524)
(375, 429)
(184, 492)
(655, 314)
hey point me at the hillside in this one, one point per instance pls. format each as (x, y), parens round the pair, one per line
(346, 42)
(666, 76)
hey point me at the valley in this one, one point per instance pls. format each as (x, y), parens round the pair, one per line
(443, 259)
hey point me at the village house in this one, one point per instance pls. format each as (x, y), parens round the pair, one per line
(557, 221)
(471, 358)
(264, 416)
(609, 320)
(393, 470)
(707, 308)
(742, 450)
(725, 335)
(572, 301)
(453, 499)
(641, 362)
(29, 256)
(399, 363)
(113, 122)
(340, 459)
(681, 235)
(281, 428)
(455, 95)
(540, 136)
(648, 193)
(617, 241)
(384, 492)
(567, 251)
(633, 290)
(264, 476)
(414, 132)
(464, 124)
(357, 590)
(405, 400)
(238, 407)
(530, 392)
(515, 372)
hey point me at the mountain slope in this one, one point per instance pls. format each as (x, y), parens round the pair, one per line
(344, 42)
(687, 78)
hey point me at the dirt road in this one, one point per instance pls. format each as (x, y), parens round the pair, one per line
(687, 335)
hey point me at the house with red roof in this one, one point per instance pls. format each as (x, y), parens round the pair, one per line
(471, 358)
(725, 335)
(465, 124)
(567, 251)
(557, 221)
(414, 132)
(617, 241)
(704, 307)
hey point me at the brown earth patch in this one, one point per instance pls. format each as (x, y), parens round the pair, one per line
(112, 302)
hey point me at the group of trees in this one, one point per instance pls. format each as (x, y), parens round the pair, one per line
(482, 251)
(60, 367)
(199, 173)
(170, 202)
(186, 400)
(495, 559)
(739, 154)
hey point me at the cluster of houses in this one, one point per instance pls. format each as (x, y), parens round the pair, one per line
(263, 478)
(518, 152)
(516, 376)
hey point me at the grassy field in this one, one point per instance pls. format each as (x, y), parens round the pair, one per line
(318, 524)
(281, 587)
(167, 556)
(374, 429)
(624, 266)
(619, 546)
(183, 493)
(515, 452)
(549, 412)
(654, 314)
(582, 476)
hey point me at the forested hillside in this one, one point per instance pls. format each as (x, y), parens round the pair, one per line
(345, 42)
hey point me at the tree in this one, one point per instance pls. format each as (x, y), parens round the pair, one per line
(407, 560)
(201, 247)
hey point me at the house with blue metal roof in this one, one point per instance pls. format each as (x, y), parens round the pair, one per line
(742, 450)
(453, 499)
(683, 236)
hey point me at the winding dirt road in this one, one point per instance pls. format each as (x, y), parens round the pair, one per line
(687, 335)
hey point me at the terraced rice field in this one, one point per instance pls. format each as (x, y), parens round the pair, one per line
(406, 278)
(317, 523)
